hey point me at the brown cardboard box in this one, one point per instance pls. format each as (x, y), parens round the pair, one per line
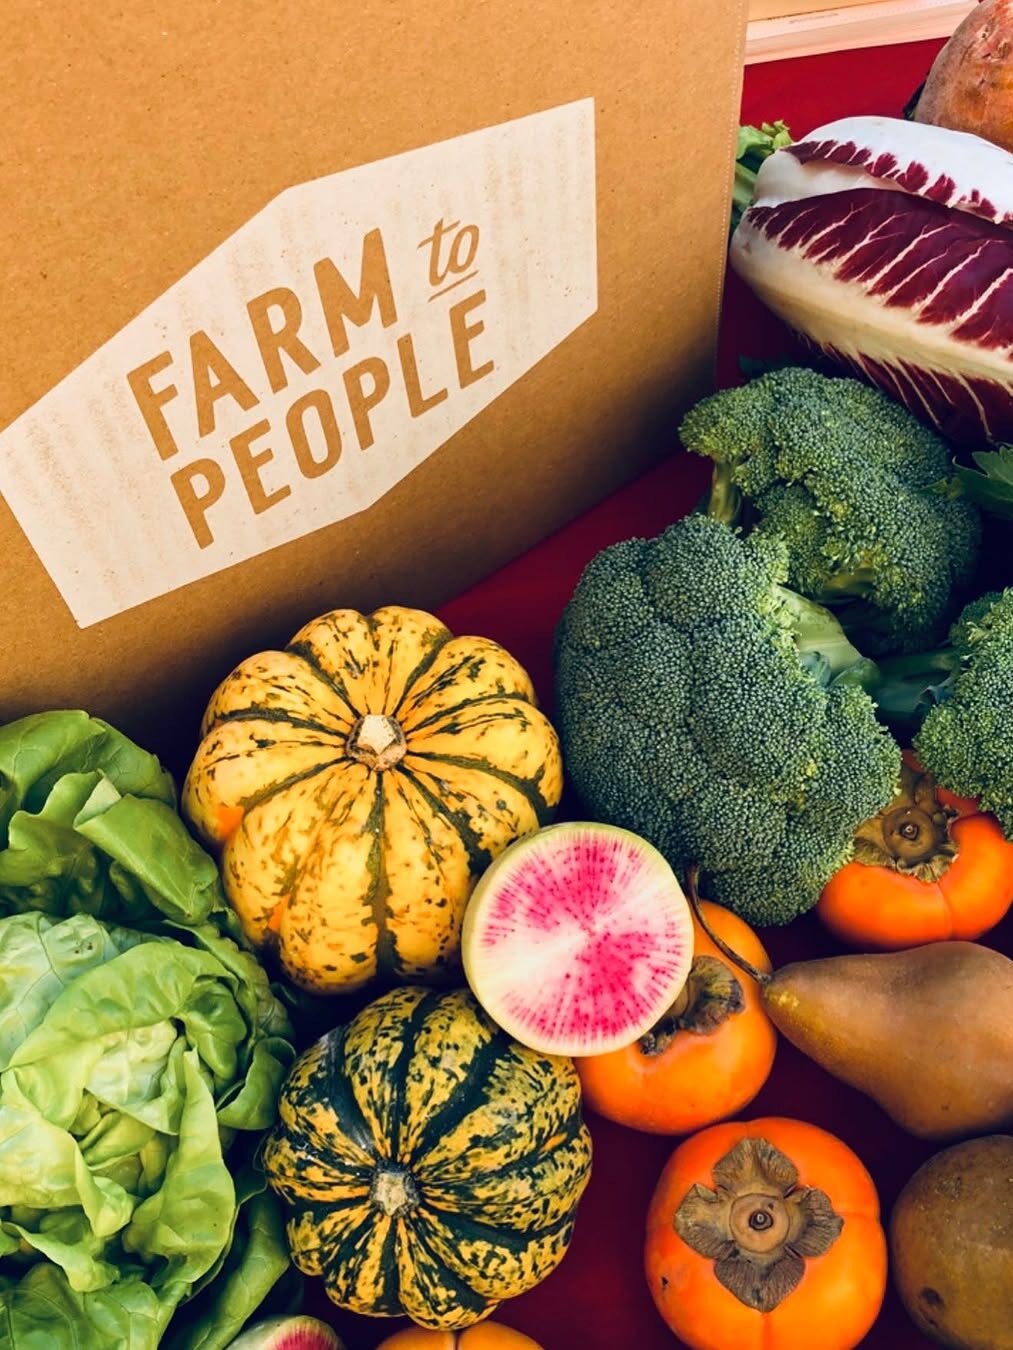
(244, 340)
(776, 9)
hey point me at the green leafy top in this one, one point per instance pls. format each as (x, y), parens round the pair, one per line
(755, 144)
(139, 1044)
(990, 486)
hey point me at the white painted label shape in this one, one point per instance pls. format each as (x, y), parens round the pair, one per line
(309, 363)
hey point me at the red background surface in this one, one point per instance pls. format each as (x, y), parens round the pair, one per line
(597, 1299)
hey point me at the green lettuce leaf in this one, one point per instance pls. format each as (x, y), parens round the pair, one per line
(188, 1219)
(68, 1240)
(142, 1048)
(43, 1312)
(40, 959)
(257, 1260)
(753, 146)
(88, 825)
(35, 752)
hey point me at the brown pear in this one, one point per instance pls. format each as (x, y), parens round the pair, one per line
(927, 1033)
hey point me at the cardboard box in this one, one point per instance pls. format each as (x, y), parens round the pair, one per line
(330, 305)
(776, 9)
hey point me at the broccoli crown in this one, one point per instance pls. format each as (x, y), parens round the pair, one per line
(845, 476)
(689, 716)
(965, 741)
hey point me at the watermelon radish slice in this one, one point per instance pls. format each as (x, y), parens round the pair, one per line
(288, 1333)
(578, 939)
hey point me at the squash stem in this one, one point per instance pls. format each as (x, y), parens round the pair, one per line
(377, 741)
(394, 1191)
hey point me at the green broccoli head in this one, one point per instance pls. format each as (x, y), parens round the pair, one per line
(965, 741)
(701, 707)
(850, 481)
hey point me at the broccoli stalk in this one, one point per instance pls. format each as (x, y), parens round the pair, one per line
(723, 500)
(906, 688)
(823, 647)
(711, 710)
(855, 488)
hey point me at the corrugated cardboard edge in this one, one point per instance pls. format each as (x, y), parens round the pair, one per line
(729, 167)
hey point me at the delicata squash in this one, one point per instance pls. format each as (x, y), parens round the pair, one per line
(429, 1164)
(359, 782)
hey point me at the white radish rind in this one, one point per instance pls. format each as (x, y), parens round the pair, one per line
(889, 245)
(578, 939)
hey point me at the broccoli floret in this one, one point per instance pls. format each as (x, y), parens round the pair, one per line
(707, 708)
(965, 739)
(855, 486)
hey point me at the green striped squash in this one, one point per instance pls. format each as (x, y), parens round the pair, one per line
(432, 1166)
(358, 783)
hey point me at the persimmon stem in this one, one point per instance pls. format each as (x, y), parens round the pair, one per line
(692, 882)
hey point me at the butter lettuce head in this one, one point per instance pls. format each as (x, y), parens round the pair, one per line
(141, 1054)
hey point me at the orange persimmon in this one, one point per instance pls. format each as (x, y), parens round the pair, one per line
(765, 1235)
(483, 1336)
(930, 867)
(707, 1057)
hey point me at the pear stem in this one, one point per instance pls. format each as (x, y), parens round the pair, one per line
(692, 879)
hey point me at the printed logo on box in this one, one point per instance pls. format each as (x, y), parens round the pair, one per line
(309, 363)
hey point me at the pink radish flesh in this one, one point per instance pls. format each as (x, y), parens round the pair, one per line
(578, 939)
(288, 1333)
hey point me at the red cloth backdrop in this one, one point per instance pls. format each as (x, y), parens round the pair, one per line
(597, 1299)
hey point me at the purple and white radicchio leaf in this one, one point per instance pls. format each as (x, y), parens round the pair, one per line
(889, 245)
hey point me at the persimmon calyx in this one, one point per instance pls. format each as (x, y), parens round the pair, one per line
(711, 994)
(377, 741)
(911, 834)
(757, 1225)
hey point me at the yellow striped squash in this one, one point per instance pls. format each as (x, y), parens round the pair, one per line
(431, 1165)
(357, 785)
